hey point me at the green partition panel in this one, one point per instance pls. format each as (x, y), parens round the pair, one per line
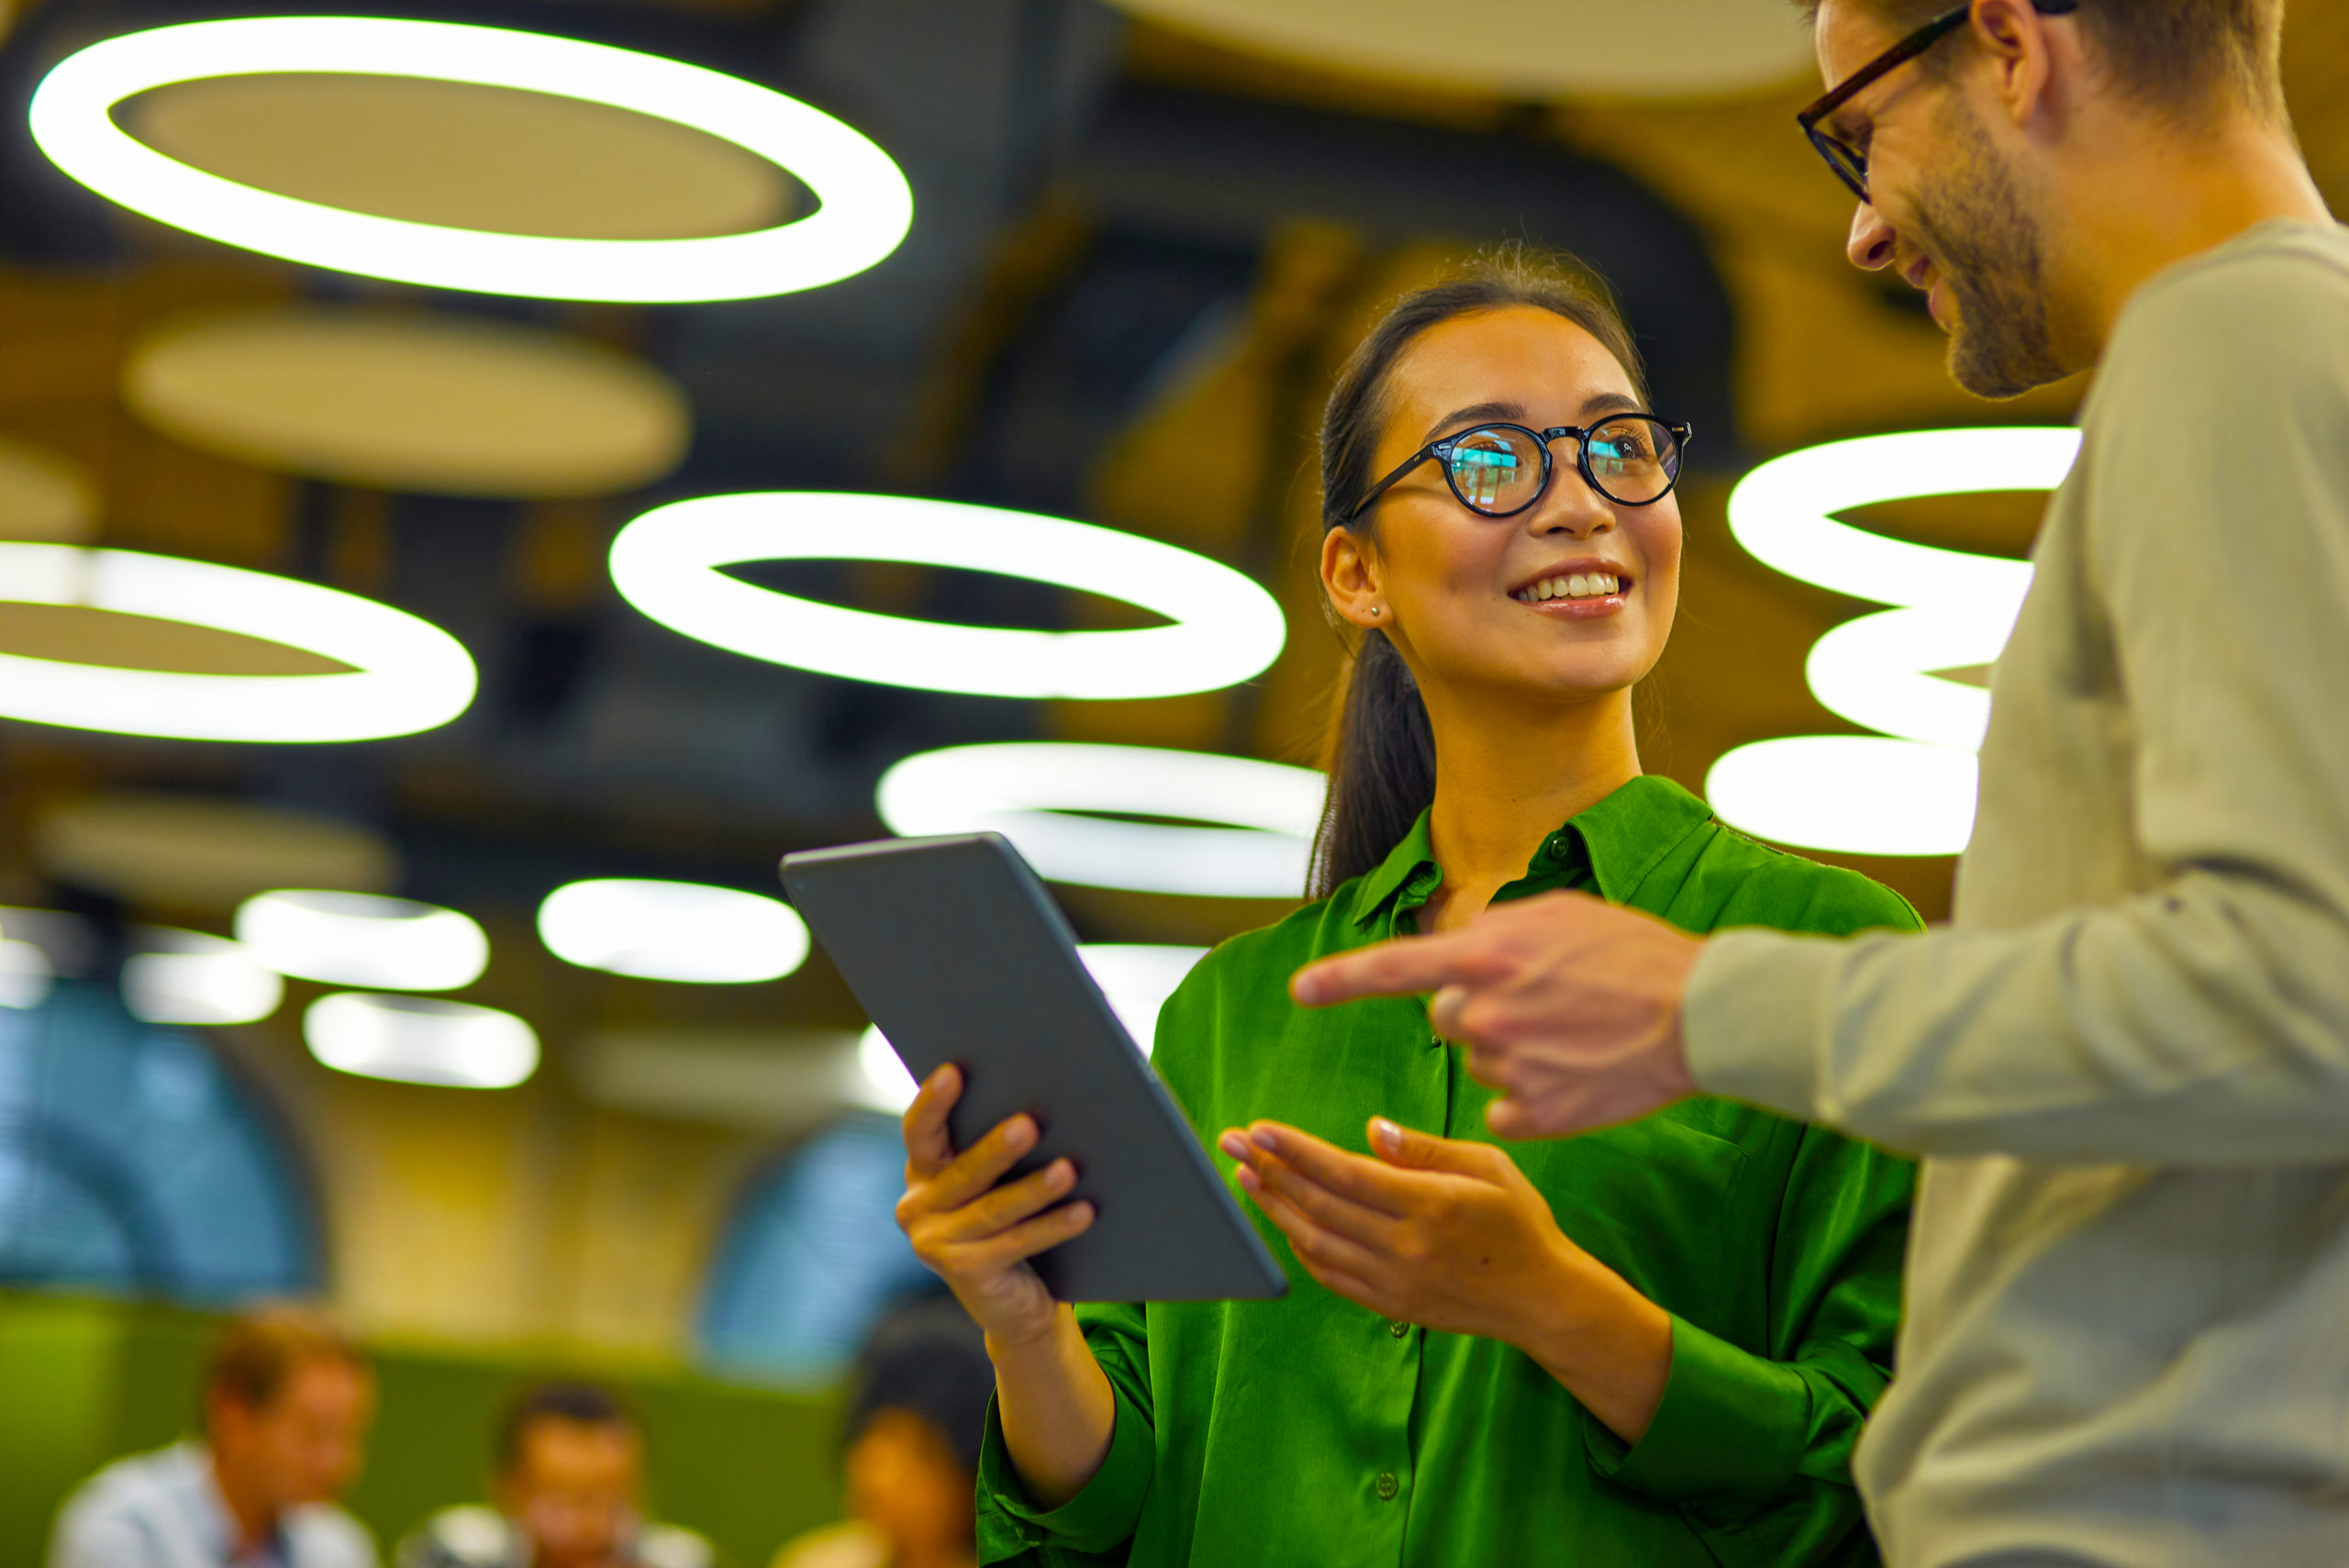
(85, 1380)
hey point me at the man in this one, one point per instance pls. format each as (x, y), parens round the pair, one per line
(569, 1489)
(2128, 1332)
(287, 1400)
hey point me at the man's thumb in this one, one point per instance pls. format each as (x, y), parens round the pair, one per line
(1420, 1151)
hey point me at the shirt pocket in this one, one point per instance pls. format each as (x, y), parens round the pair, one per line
(1658, 1201)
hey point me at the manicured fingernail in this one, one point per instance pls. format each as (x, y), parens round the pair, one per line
(1021, 1133)
(1231, 1143)
(1060, 1171)
(1385, 1134)
(1305, 987)
(1249, 1182)
(1265, 1138)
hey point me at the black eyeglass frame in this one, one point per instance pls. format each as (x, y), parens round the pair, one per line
(1849, 164)
(1441, 452)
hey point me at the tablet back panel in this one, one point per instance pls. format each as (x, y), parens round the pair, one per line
(959, 954)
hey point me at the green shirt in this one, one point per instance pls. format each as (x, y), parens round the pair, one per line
(1311, 1430)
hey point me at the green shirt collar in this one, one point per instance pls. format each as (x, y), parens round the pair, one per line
(1622, 838)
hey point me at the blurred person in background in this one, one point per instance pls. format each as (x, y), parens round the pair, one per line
(2128, 1058)
(287, 1400)
(569, 1490)
(1653, 1347)
(911, 1446)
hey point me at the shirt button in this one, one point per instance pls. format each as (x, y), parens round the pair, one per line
(1556, 846)
(1387, 1486)
(1398, 1329)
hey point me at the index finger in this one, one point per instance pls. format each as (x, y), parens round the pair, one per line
(1373, 1184)
(1405, 966)
(929, 1147)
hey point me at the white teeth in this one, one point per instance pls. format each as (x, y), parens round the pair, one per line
(1574, 585)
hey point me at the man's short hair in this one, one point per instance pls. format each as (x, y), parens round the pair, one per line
(582, 1404)
(2176, 57)
(256, 1352)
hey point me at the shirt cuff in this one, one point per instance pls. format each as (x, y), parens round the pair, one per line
(1753, 1014)
(1731, 1422)
(1100, 1516)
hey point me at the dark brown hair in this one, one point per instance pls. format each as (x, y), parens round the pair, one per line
(580, 1404)
(1382, 775)
(257, 1351)
(2176, 57)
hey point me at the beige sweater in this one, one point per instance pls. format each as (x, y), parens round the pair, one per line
(2128, 1061)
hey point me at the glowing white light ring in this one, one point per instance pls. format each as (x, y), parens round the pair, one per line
(1136, 978)
(1861, 795)
(1783, 511)
(408, 674)
(1873, 671)
(866, 205)
(680, 932)
(665, 564)
(186, 977)
(1030, 791)
(359, 939)
(421, 1039)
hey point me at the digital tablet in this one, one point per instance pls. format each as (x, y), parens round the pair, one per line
(960, 955)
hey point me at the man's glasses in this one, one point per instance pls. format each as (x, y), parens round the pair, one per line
(1850, 163)
(1632, 459)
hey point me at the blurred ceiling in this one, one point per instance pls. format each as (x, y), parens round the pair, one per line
(1143, 242)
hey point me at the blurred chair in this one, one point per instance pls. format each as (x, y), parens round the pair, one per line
(287, 1400)
(911, 1446)
(567, 1491)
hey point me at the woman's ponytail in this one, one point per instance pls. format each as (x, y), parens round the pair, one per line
(1382, 769)
(1384, 773)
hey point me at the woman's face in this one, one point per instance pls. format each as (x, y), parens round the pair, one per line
(1460, 592)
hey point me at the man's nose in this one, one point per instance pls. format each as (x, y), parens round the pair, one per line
(1870, 245)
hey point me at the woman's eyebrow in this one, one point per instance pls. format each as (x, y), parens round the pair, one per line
(1609, 403)
(1475, 411)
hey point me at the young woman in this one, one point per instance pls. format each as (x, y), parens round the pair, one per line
(1653, 1345)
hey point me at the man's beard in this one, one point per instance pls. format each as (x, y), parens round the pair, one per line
(1977, 227)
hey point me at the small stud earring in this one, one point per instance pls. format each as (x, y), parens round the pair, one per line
(1373, 609)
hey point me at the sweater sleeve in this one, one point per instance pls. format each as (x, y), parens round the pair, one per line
(2204, 1021)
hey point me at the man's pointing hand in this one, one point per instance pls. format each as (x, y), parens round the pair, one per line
(1567, 1004)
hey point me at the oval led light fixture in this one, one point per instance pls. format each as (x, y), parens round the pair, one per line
(360, 938)
(667, 563)
(865, 205)
(26, 973)
(1135, 978)
(421, 1039)
(673, 931)
(1060, 804)
(1912, 794)
(406, 673)
(186, 977)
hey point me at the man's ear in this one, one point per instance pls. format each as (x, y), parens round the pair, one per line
(1350, 577)
(2022, 48)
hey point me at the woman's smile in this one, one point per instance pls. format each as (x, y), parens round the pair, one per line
(1581, 589)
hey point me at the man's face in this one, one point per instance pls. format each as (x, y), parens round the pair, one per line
(1948, 209)
(905, 1480)
(306, 1445)
(574, 1489)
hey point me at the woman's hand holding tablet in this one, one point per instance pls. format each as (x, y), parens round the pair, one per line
(1056, 1404)
(975, 1235)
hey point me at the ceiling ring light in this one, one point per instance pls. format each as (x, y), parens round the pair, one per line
(666, 564)
(408, 674)
(1912, 790)
(1038, 796)
(684, 931)
(361, 938)
(866, 206)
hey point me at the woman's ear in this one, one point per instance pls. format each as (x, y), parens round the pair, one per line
(1350, 577)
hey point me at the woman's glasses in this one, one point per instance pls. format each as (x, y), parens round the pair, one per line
(1632, 459)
